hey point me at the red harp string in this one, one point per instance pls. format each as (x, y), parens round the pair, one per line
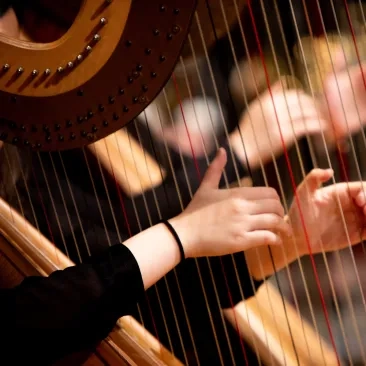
(293, 183)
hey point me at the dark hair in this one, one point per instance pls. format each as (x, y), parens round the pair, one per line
(4, 6)
(14, 169)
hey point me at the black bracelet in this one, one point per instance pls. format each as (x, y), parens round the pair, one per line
(176, 237)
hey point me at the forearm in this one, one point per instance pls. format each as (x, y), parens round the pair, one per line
(156, 251)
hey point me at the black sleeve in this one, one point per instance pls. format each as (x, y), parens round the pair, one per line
(47, 318)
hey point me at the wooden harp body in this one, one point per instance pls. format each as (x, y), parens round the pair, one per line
(309, 313)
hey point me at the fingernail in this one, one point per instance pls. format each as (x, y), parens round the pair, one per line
(279, 241)
(361, 199)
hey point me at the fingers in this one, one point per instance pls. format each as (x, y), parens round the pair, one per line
(266, 206)
(255, 193)
(262, 238)
(357, 190)
(315, 179)
(270, 222)
(214, 171)
(359, 195)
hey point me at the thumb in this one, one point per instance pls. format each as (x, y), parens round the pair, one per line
(316, 177)
(214, 171)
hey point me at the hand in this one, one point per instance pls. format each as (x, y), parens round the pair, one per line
(225, 221)
(345, 97)
(334, 216)
(297, 115)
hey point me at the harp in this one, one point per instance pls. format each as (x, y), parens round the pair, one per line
(234, 52)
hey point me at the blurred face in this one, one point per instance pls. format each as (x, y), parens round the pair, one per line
(40, 21)
(9, 24)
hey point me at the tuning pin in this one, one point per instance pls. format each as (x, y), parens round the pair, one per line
(60, 69)
(88, 49)
(80, 58)
(6, 67)
(35, 73)
(20, 70)
(70, 65)
(96, 38)
(47, 72)
(103, 21)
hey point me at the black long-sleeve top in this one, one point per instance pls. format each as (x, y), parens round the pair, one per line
(45, 319)
(74, 309)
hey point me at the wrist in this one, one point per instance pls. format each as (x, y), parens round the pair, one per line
(185, 232)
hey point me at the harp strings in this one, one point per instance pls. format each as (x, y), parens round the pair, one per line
(276, 171)
(212, 324)
(69, 220)
(341, 157)
(357, 168)
(165, 280)
(216, 141)
(197, 264)
(227, 135)
(261, 165)
(116, 226)
(337, 254)
(302, 169)
(273, 160)
(301, 163)
(112, 208)
(328, 271)
(56, 214)
(324, 306)
(272, 154)
(159, 113)
(174, 270)
(288, 163)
